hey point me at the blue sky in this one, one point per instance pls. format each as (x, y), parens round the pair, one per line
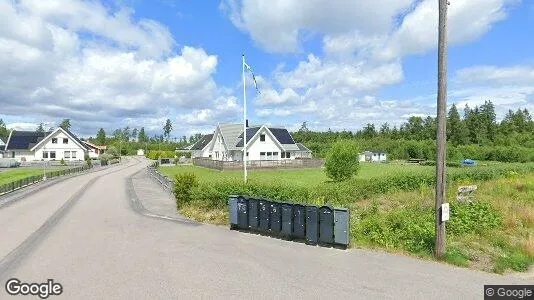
(335, 64)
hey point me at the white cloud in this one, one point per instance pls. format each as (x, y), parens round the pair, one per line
(507, 87)
(515, 75)
(364, 43)
(278, 25)
(467, 20)
(81, 60)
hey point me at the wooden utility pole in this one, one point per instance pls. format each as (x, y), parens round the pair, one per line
(442, 123)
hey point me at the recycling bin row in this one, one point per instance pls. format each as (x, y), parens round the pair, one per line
(324, 224)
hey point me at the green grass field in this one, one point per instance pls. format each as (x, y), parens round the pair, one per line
(296, 176)
(309, 176)
(14, 174)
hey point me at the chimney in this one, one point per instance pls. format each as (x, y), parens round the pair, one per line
(246, 123)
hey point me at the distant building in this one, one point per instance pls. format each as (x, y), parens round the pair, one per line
(373, 156)
(140, 152)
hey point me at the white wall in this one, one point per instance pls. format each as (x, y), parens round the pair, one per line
(60, 148)
(22, 155)
(256, 146)
(218, 147)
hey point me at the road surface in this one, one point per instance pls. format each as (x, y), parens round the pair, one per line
(113, 234)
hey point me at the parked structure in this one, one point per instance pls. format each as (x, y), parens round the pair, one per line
(373, 156)
(263, 143)
(35, 146)
(94, 150)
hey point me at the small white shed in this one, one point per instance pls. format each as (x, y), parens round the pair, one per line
(140, 152)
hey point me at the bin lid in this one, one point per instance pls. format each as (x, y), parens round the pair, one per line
(329, 207)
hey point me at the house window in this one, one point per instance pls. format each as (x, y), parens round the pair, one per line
(269, 155)
(54, 140)
(66, 154)
(283, 155)
(65, 141)
(247, 154)
(53, 154)
(262, 137)
(288, 155)
(275, 154)
(262, 155)
(73, 154)
(45, 154)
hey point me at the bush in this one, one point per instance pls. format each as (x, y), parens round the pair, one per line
(112, 152)
(183, 185)
(62, 162)
(476, 217)
(342, 160)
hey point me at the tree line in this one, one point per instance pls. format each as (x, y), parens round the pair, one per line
(473, 130)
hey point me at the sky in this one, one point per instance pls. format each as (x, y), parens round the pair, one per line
(333, 64)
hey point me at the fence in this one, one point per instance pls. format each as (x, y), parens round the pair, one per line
(165, 181)
(257, 164)
(18, 184)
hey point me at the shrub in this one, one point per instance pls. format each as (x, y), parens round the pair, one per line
(476, 217)
(342, 161)
(112, 152)
(183, 185)
(62, 162)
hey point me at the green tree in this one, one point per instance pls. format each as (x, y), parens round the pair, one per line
(167, 129)
(342, 160)
(430, 128)
(384, 130)
(369, 131)
(304, 127)
(457, 132)
(101, 137)
(134, 134)
(4, 132)
(142, 137)
(40, 128)
(65, 124)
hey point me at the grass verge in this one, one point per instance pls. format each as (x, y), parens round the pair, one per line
(493, 234)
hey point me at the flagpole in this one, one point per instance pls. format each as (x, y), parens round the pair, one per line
(244, 123)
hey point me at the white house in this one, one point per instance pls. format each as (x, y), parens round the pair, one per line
(94, 151)
(369, 156)
(35, 146)
(263, 143)
(202, 147)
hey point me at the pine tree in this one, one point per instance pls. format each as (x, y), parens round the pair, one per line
(101, 137)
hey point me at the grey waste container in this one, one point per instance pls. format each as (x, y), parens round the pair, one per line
(341, 226)
(276, 217)
(287, 219)
(242, 212)
(232, 206)
(326, 224)
(312, 220)
(253, 213)
(299, 221)
(265, 214)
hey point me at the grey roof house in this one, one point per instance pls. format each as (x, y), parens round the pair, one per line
(263, 143)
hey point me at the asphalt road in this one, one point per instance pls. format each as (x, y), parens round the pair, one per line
(111, 235)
